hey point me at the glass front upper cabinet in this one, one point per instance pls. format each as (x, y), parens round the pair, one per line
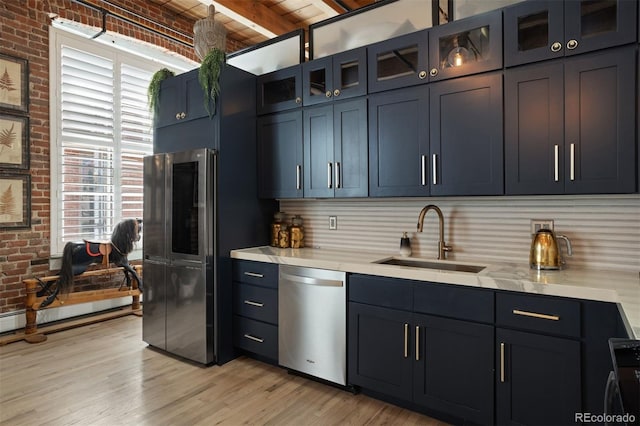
(537, 30)
(398, 62)
(467, 46)
(340, 76)
(279, 90)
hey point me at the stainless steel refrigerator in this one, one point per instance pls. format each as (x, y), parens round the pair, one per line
(179, 253)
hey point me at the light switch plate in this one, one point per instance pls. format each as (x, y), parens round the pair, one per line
(333, 222)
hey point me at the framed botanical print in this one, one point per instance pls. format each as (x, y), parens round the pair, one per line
(14, 142)
(14, 83)
(15, 201)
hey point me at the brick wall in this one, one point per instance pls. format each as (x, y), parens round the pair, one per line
(24, 253)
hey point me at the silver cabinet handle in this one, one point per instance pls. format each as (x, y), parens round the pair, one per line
(424, 170)
(434, 165)
(572, 44)
(177, 116)
(433, 72)
(417, 343)
(298, 176)
(329, 175)
(572, 165)
(337, 167)
(328, 93)
(298, 100)
(182, 115)
(336, 92)
(501, 362)
(555, 162)
(255, 339)
(254, 274)
(406, 340)
(556, 46)
(536, 315)
(252, 303)
(422, 75)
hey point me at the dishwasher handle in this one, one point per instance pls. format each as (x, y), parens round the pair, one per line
(322, 282)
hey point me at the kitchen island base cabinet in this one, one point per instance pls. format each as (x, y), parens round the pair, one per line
(538, 380)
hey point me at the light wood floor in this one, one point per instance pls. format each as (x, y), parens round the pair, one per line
(104, 374)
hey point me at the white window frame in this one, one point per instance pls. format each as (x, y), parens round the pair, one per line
(57, 39)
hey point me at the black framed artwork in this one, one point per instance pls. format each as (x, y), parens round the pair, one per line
(14, 142)
(14, 83)
(15, 200)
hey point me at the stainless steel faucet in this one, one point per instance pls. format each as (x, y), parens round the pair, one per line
(442, 246)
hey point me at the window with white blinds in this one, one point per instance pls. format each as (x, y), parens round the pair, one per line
(103, 129)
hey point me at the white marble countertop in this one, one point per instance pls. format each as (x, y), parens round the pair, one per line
(618, 287)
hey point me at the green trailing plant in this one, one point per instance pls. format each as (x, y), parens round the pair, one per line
(153, 92)
(209, 77)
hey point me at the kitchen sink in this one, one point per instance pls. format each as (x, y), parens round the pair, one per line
(426, 264)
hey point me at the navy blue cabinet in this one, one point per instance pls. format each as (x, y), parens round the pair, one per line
(399, 143)
(335, 150)
(538, 380)
(398, 62)
(255, 308)
(453, 370)
(556, 139)
(466, 46)
(279, 90)
(279, 138)
(181, 100)
(542, 29)
(466, 155)
(440, 364)
(335, 77)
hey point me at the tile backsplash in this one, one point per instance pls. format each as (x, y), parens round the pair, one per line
(604, 230)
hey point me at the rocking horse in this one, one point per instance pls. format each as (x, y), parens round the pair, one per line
(77, 256)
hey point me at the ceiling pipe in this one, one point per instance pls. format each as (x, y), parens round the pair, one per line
(123, 18)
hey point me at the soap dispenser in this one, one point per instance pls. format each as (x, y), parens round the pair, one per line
(405, 245)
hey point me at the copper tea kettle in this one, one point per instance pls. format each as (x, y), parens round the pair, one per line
(545, 253)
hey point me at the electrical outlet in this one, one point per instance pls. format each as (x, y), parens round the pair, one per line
(333, 222)
(538, 224)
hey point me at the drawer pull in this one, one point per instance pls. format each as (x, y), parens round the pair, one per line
(252, 303)
(406, 340)
(255, 339)
(417, 343)
(536, 315)
(501, 362)
(254, 274)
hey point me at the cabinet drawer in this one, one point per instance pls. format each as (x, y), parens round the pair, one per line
(454, 301)
(539, 313)
(255, 336)
(257, 273)
(381, 291)
(255, 302)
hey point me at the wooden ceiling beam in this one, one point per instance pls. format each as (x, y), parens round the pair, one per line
(338, 5)
(254, 15)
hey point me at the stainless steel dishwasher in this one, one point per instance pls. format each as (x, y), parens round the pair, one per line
(312, 322)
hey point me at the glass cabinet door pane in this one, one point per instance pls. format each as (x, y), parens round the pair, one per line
(318, 82)
(533, 31)
(349, 72)
(397, 63)
(598, 16)
(279, 90)
(464, 47)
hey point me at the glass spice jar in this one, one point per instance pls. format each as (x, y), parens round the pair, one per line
(297, 232)
(284, 236)
(278, 220)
